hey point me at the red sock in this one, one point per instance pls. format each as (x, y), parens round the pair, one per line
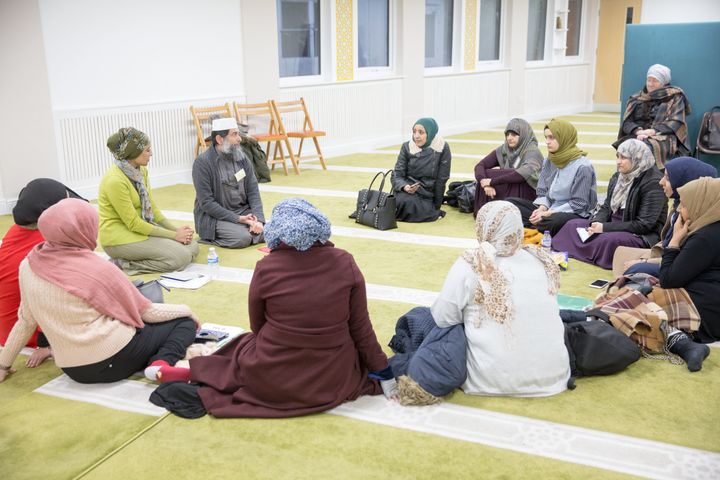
(167, 373)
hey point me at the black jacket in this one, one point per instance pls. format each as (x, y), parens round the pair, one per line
(645, 210)
(696, 268)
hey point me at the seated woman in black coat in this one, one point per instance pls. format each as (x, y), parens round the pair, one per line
(420, 175)
(512, 169)
(692, 261)
(632, 215)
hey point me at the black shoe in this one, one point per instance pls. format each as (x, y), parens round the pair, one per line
(693, 353)
(441, 214)
(353, 215)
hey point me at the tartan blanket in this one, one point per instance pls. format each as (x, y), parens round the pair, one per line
(645, 318)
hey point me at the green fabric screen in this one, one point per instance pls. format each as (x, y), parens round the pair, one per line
(691, 51)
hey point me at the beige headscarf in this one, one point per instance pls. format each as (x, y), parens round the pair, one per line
(701, 197)
(499, 231)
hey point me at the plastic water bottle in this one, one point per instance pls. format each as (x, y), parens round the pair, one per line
(213, 262)
(546, 241)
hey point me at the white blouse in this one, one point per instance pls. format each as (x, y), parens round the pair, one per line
(524, 357)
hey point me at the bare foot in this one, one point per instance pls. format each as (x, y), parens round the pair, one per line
(38, 357)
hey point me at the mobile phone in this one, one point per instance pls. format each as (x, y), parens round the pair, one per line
(207, 335)
(599, 283)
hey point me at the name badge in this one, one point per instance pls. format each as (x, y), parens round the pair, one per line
(240, 175)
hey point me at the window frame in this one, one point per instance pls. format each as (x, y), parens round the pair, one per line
(548, 52)
(369, 73)
(327, 52)
(455, 44)
(581, 38)
(500, 62)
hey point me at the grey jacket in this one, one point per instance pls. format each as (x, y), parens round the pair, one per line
(208, 194)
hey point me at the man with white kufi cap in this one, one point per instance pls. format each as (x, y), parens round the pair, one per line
(228, 208)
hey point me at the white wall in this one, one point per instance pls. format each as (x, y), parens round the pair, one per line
(687, 11)
(107, 53)
(27, 134)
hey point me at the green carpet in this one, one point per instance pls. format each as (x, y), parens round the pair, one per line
(43, 436)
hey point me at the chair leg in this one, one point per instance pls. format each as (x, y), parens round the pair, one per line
(292, 157)
(278, 146)
(319, 152)
(299, 153)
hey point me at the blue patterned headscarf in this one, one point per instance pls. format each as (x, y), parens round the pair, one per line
(296, 223)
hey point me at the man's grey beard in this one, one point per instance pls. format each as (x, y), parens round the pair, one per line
(228, 149)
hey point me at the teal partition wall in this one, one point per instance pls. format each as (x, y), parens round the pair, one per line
(691, 50)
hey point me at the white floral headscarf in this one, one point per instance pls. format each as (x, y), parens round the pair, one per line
(499, 232)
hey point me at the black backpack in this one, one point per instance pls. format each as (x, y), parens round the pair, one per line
(461, 195)
(597, 348)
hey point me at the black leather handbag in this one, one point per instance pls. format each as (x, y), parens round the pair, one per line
(376, 208)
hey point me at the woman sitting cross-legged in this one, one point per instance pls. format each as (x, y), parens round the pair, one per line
(656, 115)
(312, 345)
(506, 296)
(632, 215)
(20, 239)
(692, 261)
(99, 325)
(678, 172)
(567, 187)
(512, 169)
(421, 173)
(133, 231)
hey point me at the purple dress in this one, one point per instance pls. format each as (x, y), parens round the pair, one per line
(598, 249)
(507, 182)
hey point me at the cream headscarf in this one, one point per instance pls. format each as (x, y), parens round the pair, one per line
(701, 197)
(499, 232)
(641, 159)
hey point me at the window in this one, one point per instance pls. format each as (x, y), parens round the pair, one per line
(537, 20)
(373, 20)
(299, 37)
(438, 33)
(489, 27)
(574, 21)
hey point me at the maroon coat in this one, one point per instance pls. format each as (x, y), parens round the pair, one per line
(311, 345)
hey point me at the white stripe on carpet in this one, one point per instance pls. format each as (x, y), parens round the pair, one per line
(125, 395)
(371, 233)
(607, 134)
(583, 446)
(374, 291)
(495, 142)
(322, 192)
(566, 443)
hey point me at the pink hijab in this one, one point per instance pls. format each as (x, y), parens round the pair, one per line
(66, 259)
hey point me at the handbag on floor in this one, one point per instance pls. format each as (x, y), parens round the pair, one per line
(152, 290)
(376, 208)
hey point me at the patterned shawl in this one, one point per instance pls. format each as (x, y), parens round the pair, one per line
(670, 113)
(500, 233)
(641, 159)
(526, 158)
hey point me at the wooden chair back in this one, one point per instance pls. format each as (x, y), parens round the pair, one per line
(202, 118)
(297, 108)
(264, 126)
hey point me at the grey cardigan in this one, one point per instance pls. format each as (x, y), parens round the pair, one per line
(208, 194)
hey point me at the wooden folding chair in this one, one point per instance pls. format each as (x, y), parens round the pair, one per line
(205, 115)
(306, 131)
(263, 123)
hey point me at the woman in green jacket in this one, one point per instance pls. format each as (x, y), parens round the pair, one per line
(133, 231)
